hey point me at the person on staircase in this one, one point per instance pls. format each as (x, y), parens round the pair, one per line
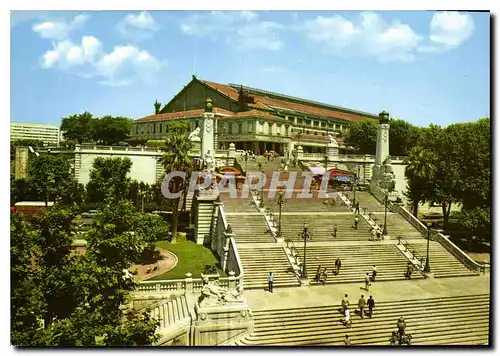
(357, 208)
(356, 222)
(371, 305)
(270, 281)
(347, 340)
(374, 273)
(401, 324)
(367, 281)
(338, 264)
(347, 320)
(344, 304)
(334, 231)
(409, 270)
(361, 306)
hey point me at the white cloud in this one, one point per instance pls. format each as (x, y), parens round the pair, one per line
(369, 36)
(241, 29)
(123, 66)
(126, 59)
(139, 26)
(451, 28)
(66, 54)
(60, 30)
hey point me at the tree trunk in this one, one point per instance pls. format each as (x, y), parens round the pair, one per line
(415, 208)
(446, 211)
(175, 219)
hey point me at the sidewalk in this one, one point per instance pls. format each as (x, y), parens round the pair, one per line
(381, 291)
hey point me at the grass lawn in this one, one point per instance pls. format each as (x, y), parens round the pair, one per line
(192, 259)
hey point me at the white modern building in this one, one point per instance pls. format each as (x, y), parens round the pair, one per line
(49, 134)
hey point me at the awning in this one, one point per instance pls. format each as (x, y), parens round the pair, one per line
(317, 170)
(335, 172)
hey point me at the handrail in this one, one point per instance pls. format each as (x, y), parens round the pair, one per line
(443, 240)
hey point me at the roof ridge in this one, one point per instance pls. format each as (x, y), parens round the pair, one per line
(294, 98)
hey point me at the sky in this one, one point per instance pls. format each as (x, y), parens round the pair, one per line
(422, 67)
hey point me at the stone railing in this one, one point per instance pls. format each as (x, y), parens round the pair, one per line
(417, 224)
(224, 245)
(443, 240)
(459, 254)
(184, 286)
(118, 148)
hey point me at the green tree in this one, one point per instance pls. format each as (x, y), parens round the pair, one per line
(362, 135)
(403, 136)
(26, 293)
(419, 171)
(91, 292)
(49, 175)
(111, 130)
(108, 179)
(78, 128)
(176, 159)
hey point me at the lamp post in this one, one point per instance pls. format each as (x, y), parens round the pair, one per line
(354, 186)
(246, 161)
(305, 236)
(384, 231)
(280, 203)
(427, 267)
(262, 188)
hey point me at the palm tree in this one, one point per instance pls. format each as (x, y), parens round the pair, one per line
(176, 159)
(419, 172)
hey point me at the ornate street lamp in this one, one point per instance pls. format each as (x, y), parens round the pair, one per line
(305, 235)
(384, 230)
(262, 188)
(281, 202)
(354, 187)
(427, 267)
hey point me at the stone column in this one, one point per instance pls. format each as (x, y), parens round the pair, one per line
(382, 145)
(207, 140)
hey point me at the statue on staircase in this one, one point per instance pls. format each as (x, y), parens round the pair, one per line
(195, 135)
(212, 294)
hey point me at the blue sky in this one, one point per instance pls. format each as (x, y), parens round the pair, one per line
(420, 66)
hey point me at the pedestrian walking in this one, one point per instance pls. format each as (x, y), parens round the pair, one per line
(409, 270)
(345, 303)
(356, 222)
(270, 281)
(347, 340)
(347, 320)
(335, 230)
(357, 208)
(338, 264)
(361, 306)
(367, 281)
(374, 273)
(371, 305)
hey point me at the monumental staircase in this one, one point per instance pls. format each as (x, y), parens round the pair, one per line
(249, 228)
(321, 227)
(259, 261)
(357, 260)
(447, 320)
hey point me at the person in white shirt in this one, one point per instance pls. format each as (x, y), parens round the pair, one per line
(347, 320)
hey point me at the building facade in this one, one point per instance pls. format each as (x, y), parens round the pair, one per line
(49, 134)
(252, 119)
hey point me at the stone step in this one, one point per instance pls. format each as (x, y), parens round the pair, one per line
(430, 321)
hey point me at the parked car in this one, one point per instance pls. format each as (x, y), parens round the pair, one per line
(272, 154)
